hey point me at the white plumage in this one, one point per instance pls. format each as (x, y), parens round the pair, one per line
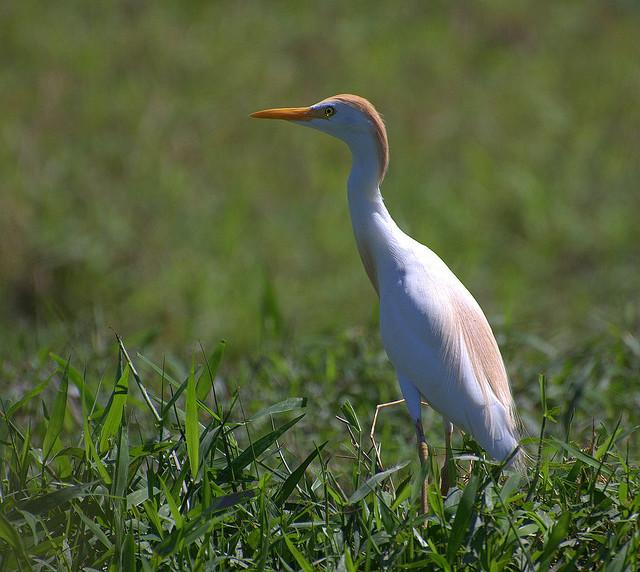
(433, 330)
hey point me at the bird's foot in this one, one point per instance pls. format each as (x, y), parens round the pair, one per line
(448, 476)
(445, 484)
(423, 455)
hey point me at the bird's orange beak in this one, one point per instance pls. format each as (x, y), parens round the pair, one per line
(288, 113)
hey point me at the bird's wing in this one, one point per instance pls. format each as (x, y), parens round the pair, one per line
(470, 332)
(454, 321)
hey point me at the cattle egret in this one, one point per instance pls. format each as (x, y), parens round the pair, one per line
(433, 330)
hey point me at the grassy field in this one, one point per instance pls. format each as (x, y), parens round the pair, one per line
(222, 482)
(137, 197)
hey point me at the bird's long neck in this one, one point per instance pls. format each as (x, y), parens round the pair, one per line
(375, 231)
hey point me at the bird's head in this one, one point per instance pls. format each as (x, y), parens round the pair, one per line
(348, 117)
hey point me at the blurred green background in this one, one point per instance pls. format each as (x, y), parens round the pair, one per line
(136, 194)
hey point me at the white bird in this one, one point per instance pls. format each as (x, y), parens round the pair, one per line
(433, 330)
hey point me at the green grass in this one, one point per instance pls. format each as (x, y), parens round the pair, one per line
(171, 466)
(137, 196)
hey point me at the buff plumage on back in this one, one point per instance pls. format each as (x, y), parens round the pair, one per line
(468, 328)
(372, 113)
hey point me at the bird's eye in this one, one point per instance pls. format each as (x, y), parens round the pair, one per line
(329, 111)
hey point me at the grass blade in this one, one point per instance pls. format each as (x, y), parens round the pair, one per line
(304, 564)
(116, 409)
(294, 478)
(618, 562)
(192, 433)
(252, 452)
(90, 449)
(93, 527)
(462, 519)
(128, 558)
(49, 501)
(78, 381)
(556, 536)
(173, 505)
(350, 415)
(23, 463)
(121, 472)
(160, 371)
(213, 363)
(580, 456)
(56, 420)
(174, 398)
(371, 483)
(28, 396)
(282, 407)
(9, 534)
(145, 394)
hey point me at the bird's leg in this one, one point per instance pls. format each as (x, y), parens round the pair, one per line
(423, 455)
(414, 400)
(448, 473)
(372, 433)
